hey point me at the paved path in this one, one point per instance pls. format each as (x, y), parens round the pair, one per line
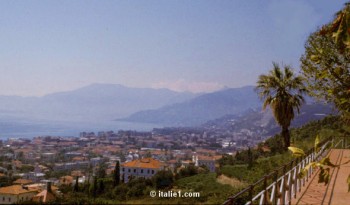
(336, 191)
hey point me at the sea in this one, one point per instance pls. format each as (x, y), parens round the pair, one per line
(33, 128)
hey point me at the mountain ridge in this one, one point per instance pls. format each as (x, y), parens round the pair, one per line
(263, 123)
(92, 102)
(201, 108)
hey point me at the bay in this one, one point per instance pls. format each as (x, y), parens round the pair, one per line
(22, 128)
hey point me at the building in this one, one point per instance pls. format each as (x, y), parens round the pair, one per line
(95, 161)
(71, 166)
(35, 177)
(23, 181)
(66, 180)
(45, 196)
(16, 194)
(202, 160)
(146, 167)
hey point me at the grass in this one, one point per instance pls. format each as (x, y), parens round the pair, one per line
(235, 183)
(212, 190)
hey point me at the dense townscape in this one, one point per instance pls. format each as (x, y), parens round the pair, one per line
(59, 160)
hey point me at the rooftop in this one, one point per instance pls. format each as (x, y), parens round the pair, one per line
(23, 181)
(44, 196)
(144, 163)
(15, 190)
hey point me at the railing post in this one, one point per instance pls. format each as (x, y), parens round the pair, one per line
(266, 193)
(289, 186)
(277, 188)
(295, 178)
(232, 201)
(251, 192)
(312, 160)
(307, 161)
(284, 185)
(299, 170)
(345, 142)
(303, 164)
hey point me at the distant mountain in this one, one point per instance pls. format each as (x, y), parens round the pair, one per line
(263, 122)
(201, 109)
(94, 102)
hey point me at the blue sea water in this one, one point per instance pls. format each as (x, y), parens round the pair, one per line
(30, 129)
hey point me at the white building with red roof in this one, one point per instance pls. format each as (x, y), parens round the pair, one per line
(16, 194)
(145, 167)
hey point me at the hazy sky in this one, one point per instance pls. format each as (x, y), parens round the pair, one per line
(49, 46)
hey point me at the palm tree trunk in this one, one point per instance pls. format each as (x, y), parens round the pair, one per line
(286, 136)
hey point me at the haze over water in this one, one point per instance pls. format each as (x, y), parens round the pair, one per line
(25, 129)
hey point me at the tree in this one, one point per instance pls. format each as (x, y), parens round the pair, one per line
(163, 179)
(250, 158)
(76, 185)
(116, 174)
(101, 186)
(101, 172)
(122, 156)
(120, 192)
(93, 188)
(20, 155)
(188, 171)
(226, 159)
(339, 29)
(325, 63)
(283, 92)
(148, 154)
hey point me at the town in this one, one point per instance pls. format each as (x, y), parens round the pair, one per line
(31, 167)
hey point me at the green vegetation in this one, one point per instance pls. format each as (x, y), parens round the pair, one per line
(163, 179)
(187, 172)
(76, 185)
(326, 70)
(266, 162)
(26, 168)
(116, 174)
(283, 92)
(261, 167)
(325, 63)
(137, 190)
(211, 192)
(340, 28)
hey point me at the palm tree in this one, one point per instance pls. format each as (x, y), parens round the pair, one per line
(283, 92)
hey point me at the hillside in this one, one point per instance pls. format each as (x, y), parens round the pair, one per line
(266, 162)
(201, 109)
(263, 122)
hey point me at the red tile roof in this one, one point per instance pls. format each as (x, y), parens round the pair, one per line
(23, 181)
(15, 190)
(206, 158)
(149, 163)
(44, 196)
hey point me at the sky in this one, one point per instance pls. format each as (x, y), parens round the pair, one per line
(196, 45)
